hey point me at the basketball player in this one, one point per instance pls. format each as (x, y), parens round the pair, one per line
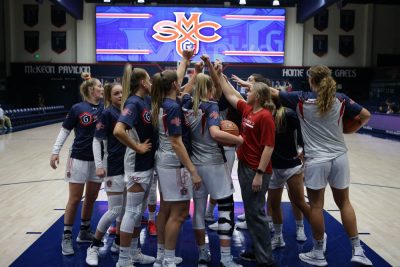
(112, 169)
(80, 171)
(287, 168)
(254, 170)
(177, 174)
(320, 113)
(134, 129)
(202, 114)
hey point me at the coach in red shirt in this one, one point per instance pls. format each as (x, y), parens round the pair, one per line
(254, 171)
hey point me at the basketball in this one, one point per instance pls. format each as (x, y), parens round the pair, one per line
(230, 128)
(351, 125)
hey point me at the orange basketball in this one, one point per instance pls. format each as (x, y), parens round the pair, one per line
(230, 128)
(351, 125)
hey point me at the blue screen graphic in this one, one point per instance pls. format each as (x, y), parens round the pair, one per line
(160, 34)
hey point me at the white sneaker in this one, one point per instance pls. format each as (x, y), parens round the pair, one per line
(314, 257)
(300, 234)
(92, 256)
(229, 263)
(168, 263)
(209, 217)
(241, 217)
(214, 226)
(359, 257)
(66, 245)
(241, 225)
(138, 257)
(124, 263)
(114, 247)
(158, 262)
(204, 257)
(277, 242)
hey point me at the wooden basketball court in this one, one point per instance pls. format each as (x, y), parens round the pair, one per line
(33, 196)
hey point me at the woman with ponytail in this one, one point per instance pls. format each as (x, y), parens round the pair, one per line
(321, 112)
(254, 169)
(80, 171)
(287, 169)
(176, 173)
(135, 130)
(111, 168)
(202, 115)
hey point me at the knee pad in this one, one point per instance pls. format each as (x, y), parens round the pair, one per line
(108, 217)
(225, 217)
(133, 211)
(199, 213)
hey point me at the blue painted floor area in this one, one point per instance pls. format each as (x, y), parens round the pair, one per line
(46, 251)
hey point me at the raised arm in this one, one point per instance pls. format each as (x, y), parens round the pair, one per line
(220, 82)
(187, 55)
(188, 88)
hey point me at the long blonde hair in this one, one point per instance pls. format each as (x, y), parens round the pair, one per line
(261, 91)
(162, 83)
(131, 81)
(107, 93)
(279, 116)
(325, 87)
(87, 84)
(203, 86)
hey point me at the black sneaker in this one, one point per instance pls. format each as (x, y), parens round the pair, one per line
(247, 256)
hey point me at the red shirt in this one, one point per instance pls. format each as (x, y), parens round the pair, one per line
(258, 131)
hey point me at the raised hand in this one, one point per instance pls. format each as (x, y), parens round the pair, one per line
(188, 54)
(198, 67)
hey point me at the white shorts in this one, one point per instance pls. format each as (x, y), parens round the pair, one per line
(281, 176)
(216, 181)
(336, 172)
(114, 184)
(81, 171)
(230, 155)
(135, 178)
(175, 184)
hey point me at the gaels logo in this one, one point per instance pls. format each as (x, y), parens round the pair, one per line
(86, 119)
(185, 31)
(176, 121)
(214, 115)
(146, 116)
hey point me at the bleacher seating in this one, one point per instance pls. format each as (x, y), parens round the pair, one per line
(25, 118)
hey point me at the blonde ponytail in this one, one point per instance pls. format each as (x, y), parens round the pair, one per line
(203, 85)
(86, 85)
(325, 87)
(263, 95)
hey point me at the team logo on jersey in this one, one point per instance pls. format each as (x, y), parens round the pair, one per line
(214, 115)
(185, 31)
(126, 112)
(176, 121)
(86, 119)
(99, 125)
(146, 116)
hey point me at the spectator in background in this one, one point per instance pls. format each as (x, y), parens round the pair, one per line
(381, 108)
(393, 108)
(5, 122)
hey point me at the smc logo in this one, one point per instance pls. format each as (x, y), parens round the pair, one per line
(186, 32)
